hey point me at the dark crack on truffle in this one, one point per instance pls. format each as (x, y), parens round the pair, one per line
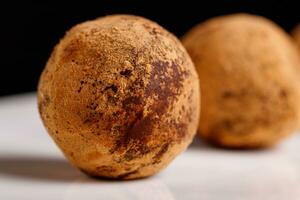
(112, 87)
(157, 158)
(126, 72)
(125, 175)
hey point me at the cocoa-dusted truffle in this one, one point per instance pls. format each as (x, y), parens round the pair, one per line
(120, 97)
(248, 68)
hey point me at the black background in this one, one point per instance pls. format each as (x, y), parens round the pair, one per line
(29, 29)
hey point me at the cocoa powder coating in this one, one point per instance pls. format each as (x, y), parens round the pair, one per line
(249, 72)
(120, 97)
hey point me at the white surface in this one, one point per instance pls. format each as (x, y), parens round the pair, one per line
(32, 167)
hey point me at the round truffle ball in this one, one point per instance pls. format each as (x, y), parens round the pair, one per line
(120, 97)
(248, 68)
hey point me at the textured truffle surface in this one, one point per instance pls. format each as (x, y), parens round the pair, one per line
(248, 69)
(120, 97)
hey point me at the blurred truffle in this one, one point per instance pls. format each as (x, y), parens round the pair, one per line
(248, 68)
